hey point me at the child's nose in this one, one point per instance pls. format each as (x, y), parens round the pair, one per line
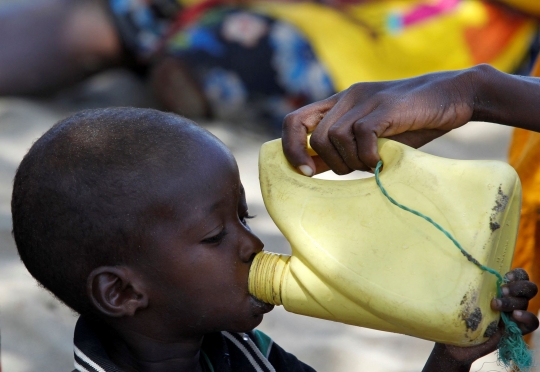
(250, 245)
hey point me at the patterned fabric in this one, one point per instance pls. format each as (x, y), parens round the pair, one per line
(390, 40)
(248, 61)
(245, 62)
(267, 58)
(221, 352)
(143, 24)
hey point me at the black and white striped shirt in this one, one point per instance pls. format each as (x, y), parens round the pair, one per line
(222, 352)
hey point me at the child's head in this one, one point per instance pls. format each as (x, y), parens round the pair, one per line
(124, 211)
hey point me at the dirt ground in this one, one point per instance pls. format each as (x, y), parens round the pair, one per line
(36, 330)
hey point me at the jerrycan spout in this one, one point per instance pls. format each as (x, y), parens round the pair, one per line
(266, 276)
(358, 259)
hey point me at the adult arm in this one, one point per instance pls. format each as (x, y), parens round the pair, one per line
(345, 127)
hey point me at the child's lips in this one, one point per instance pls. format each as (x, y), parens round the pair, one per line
(263, 307)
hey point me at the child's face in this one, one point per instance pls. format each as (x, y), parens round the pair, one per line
(197, 273)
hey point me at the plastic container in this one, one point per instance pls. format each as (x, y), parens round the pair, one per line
(358, 259)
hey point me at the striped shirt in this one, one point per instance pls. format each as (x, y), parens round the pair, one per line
(222, 352)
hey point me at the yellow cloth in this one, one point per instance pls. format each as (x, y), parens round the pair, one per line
(394, 39)
(366, 42)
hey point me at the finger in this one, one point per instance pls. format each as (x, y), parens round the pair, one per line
(523, 288)
(342, 136)
(296, 126)
(525, 320)
(507, 304)
(367, 131)
(333, 138)
(384, 123)
(322, 143)
(517, 274)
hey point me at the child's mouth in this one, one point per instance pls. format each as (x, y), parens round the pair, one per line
(263, 307)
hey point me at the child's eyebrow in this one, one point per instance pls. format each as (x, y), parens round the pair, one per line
(207, 209)
(199, 217)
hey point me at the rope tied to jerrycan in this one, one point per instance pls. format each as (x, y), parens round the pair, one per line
(513, 351)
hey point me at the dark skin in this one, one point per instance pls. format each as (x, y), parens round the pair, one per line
(346, 126)
(192, 280)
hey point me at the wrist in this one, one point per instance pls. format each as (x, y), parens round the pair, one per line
(503, 98)
(479, 80)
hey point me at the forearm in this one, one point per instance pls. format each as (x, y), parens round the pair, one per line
(505, 99)
(441, 360)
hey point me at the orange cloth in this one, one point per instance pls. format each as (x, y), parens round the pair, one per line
(525, 158)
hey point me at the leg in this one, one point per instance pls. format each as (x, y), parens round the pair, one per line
(48, 44)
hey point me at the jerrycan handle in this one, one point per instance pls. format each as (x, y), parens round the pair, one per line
(389, 154)
(312, 152)
(309, 149)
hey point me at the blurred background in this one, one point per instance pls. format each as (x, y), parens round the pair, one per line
(237, 67)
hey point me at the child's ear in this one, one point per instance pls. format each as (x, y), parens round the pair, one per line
(115, 291)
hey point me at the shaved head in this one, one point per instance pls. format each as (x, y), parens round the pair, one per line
(86, 194)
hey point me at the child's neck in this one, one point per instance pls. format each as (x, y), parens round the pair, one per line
(133, 351)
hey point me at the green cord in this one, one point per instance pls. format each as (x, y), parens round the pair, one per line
(207, 360)
(512, 349)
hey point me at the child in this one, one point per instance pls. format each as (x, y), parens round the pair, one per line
(136, 219)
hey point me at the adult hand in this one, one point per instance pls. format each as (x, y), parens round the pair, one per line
(514, 301)
(345, 127)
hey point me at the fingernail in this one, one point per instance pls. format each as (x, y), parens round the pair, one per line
(498, 302)
(518, 313)
(306, 170)
(505, 291)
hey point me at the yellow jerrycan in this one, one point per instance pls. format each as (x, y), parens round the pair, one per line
(358, 259)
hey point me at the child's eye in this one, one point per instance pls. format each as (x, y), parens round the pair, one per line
(216, 238)
(247, 216)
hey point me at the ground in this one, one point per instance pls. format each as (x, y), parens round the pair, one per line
(36, 330)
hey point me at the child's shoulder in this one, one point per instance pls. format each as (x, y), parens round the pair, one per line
(221, 351)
